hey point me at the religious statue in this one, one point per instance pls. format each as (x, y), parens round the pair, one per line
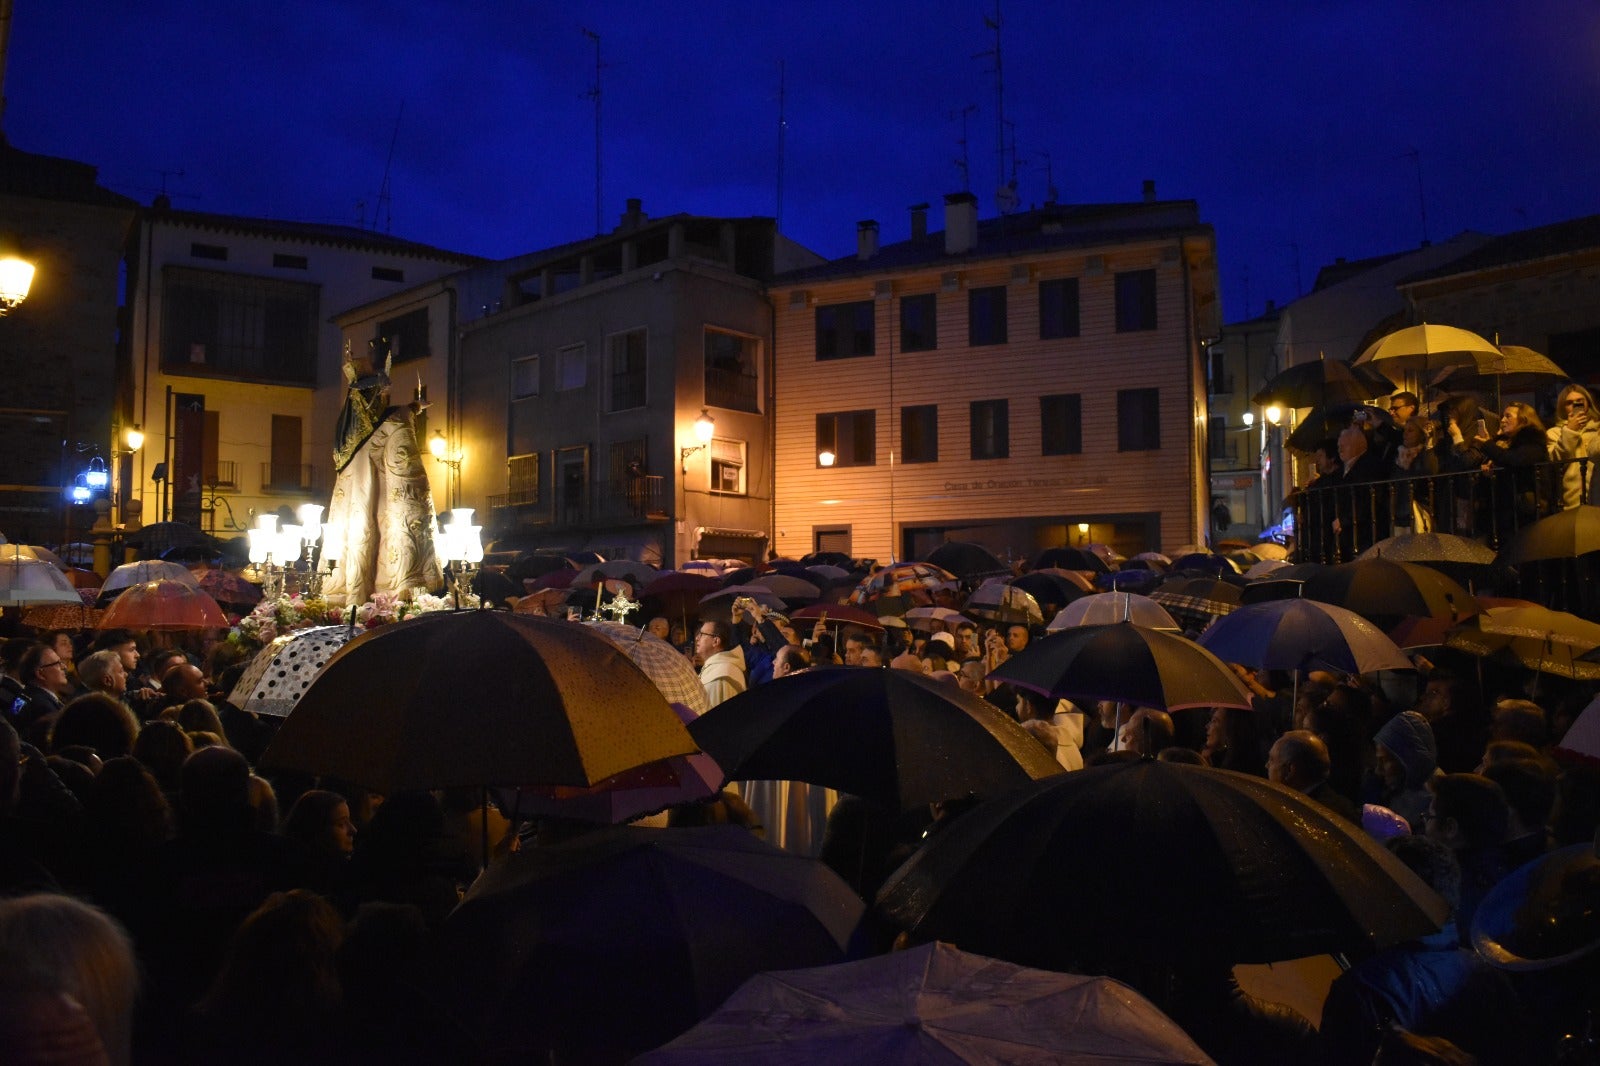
(379, 531)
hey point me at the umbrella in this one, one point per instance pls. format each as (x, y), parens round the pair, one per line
(1268, 549)
(1068, 558)
(1166, 859)
(902, 578)
(1518, 369)
(1566, 535)
(1264, 569)
(635, 573)
(1206, 563)
(893, 736)
(1583, 735)
(551, 579)
(613, 942)
(1315, 383)
(163, 604)
(1197, 601)
(1005, 604)
(830, 574)
(536, 564)
(928, 617)
(225, 586)
(1124, 662)
(839, 559)
(839, 614)
(932, 1003)
(1105, 607)
(478, 698)
(282, 671)
(1302, 635)
(1048, 586)
(157, 537)
(62, 616)
(11, 552)
(548, 602)
(1540, 623)
(663, 664)
(719, 604)
(966, 560)
(1430, 548)
(791, 590)
(144, 571)
(1429, 347)
(1323, 422)
(1530, 653)
(34, 581)
(634, 793)
(1381, 589)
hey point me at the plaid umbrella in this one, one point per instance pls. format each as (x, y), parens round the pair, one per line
(1197, 601)
(282, 671)
(902, 578)
(662, 663)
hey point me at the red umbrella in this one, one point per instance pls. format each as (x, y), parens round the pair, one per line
(555, 579)
(163, 604)
(837, 613)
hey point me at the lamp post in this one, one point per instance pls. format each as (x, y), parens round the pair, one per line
(459, 544)
(16, 278)
(439, 448)
(704, 426)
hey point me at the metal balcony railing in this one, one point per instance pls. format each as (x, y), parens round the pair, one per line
(302, 478)
(732, 389)
(611, 503)
(224, 476)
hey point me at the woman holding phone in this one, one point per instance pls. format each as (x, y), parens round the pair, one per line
(1574, 436)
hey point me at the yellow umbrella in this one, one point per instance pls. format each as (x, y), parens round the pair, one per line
(1431, 347)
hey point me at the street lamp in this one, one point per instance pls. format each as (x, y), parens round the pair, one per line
(704, 426)
(826, 458)
(133, 437)
(459, 544)
(440, 449)
(16, 278)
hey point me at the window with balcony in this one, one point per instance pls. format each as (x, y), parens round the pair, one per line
(919, 434)
(573, 364)
(406, 335)
(733, 362)
(986, 316)
(1138, 420)
(1061, 424)
(1136, 300)
(522, 478)
(851, 437)
(845, 331)
(1058, 308)
(991, 429)
(236, 326)
(919, 328)
(625, 358)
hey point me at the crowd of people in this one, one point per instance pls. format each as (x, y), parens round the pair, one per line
(167, 900)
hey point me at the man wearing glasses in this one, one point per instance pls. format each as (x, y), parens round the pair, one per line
(722, 672)
(1403, 406)
(44, 684)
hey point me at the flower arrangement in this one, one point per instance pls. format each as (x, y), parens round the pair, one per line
(285, 614)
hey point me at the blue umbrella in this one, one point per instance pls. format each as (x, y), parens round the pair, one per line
(1302, 635)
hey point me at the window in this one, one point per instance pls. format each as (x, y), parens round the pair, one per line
(1136, 301)
(831, 539)
(210, 444)
(231, 325)
(727, 467)
(1219, 437)
(522, 478)
(1061, 424)
(1219, 382)
(991, 430)
(208, 251)
(629, 485)
(850, 436)
(289, 262)
(732, 370)
(625, 353)
(845, 331)
(919, 329)
(986, 316)
(1058, 308)
(388, 274)
(285, 469)
(525, 377)
(573, 364)
(407, 335)
(1138, 420)
(919, 434)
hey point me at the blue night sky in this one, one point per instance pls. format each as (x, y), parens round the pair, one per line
(1291, 123)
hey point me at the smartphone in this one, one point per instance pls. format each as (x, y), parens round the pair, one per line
(1480, 428)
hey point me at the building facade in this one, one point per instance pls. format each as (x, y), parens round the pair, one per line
(1024, 382)
(236, 363)
(578, 389)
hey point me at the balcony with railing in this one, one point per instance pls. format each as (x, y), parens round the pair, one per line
(611, 504)
(734, 389)
(299, 479)
(224, 474)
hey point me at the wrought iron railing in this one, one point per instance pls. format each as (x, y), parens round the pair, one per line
(612, 503)
(300, 478)
(732, 389)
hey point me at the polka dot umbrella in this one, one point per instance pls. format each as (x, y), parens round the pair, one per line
(282, 671)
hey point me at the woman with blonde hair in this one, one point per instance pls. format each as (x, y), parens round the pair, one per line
(1574, 436)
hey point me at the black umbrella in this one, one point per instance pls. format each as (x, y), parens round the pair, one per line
(536, 564)
(616, 941)
(1321, 382)
(1125, 662)
(1327, 421)
(966, 560)
(1067, 558)
(1049, 588)
(1384, 591)
(893, 736)
(1154, 860)
(1567, 535)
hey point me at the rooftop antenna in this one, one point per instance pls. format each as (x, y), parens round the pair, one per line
(383, 210)
(964, 164)
(783, 127)
(1422, 201)
(594, 94)
(1050, 193)
(999, 102)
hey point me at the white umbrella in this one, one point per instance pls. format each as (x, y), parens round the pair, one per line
(30, 551)
(282, 671)
(1106, 607)
(146, 570)
(30, 581)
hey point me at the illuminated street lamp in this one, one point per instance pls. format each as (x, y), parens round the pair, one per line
(133, 437)
(440, 449)
(826, 458)
(16, 278)
(704, 426)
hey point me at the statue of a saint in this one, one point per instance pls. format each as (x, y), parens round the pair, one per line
(380, 523)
